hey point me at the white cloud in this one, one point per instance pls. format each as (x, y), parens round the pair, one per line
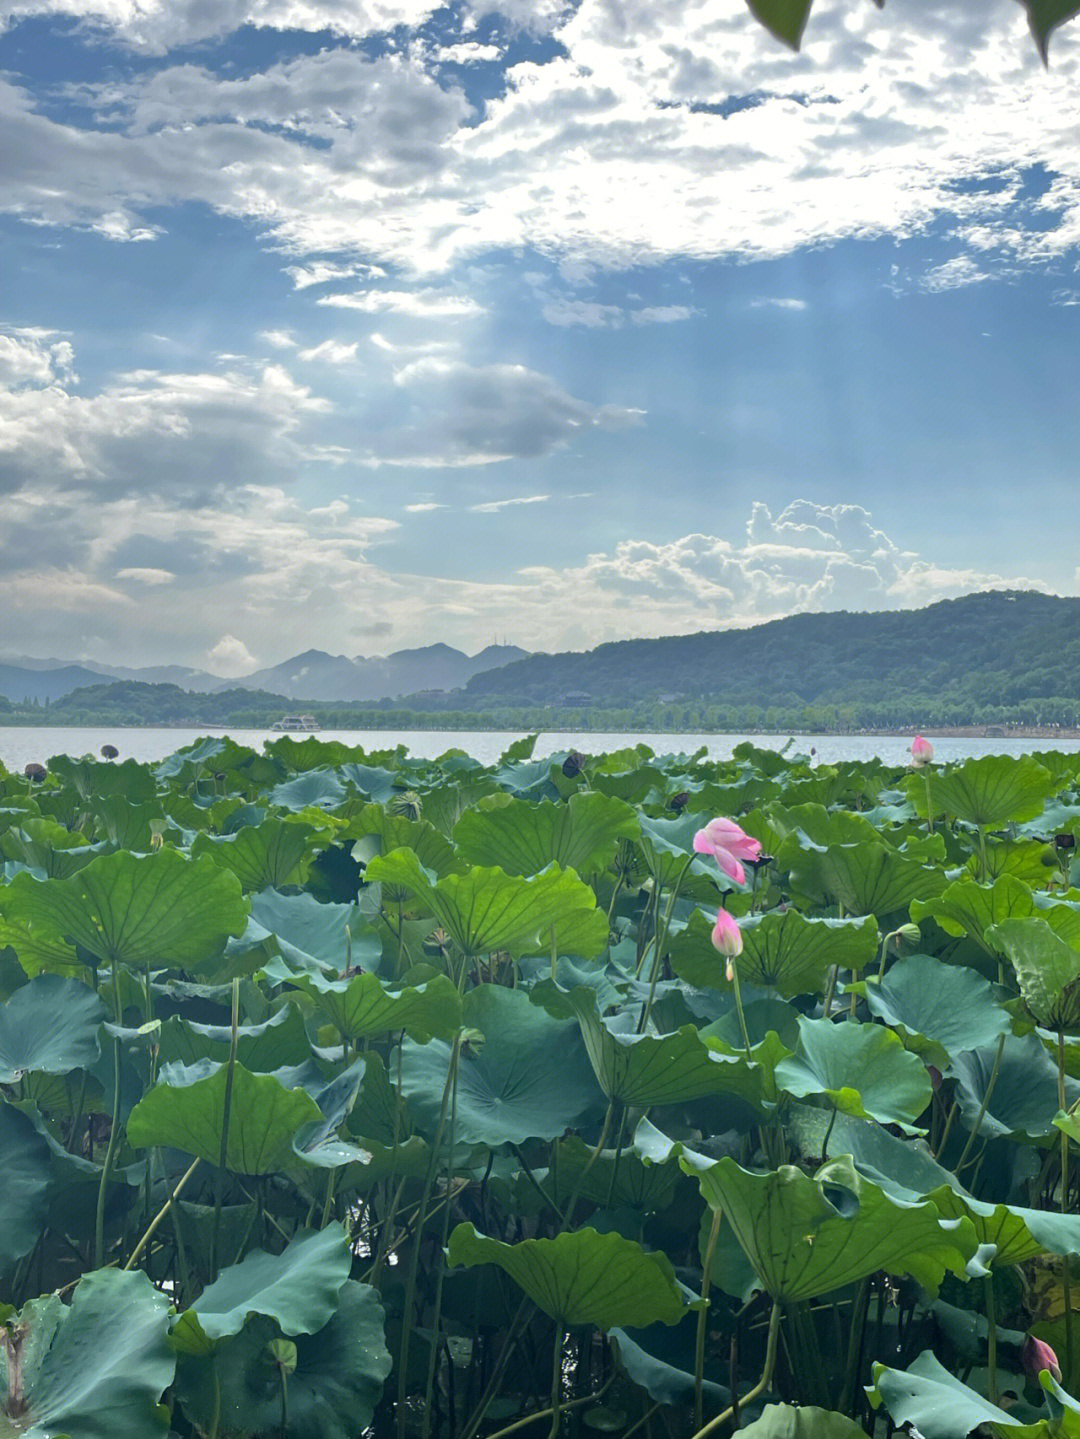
(146, 575)
(280, 339)
(613, 152)
(777, 302)
(35, 357)
(960, 270)
(467, 52)
(428, 304)
(587, 313)
(157, 25)
(662, 314)
(492, 507)
(192, 432)
(331, 352)
(324, 272)
(231, 657)
(423, 507)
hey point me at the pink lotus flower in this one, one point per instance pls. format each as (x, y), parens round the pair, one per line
(727, 936)
(1036, 1356)
(922, 751)
(729, 845)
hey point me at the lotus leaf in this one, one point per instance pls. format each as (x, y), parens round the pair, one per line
(94, 1369)
(263, 1117)
(862, 1069)
(937, 1009)
(990, 791)
(486, 910)
(810, 1234)
(523, 838)
(582, 1277)
(297, 1288)
(363, 1006)
(51, 1026)
(268, 855)
(24, 1182)
(1047, 969)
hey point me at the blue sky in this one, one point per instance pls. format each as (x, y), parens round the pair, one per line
(360, 324)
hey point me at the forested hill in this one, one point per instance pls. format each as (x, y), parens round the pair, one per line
(998, 648)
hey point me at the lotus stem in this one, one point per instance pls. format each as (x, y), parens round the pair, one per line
(114, 1130)
(433, 1356)
(859, 1311)
(223, 1153)
(423, 1216)
(1066, 1275)
(762, 1384)
(991, 1339)
(145, 1240)
(593, 1157)
(543, 1413)
(983, 1106)
(706, 1285)
(556, 1382)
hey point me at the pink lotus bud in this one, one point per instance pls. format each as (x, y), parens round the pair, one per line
(1036, 1356)
(727, 936)
(922, 751)
(729, 845)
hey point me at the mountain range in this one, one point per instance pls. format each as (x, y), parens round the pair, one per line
(314, 675)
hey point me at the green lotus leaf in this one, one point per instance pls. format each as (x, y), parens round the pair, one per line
(785, 952)
(94, 1369)
(530, 1078)
(49, 1026)
(790, 1421)
(807, 1235)
(862, 1069)
(48, 846)
(966, 907)
(1024, 1097)
(641, 1070)
(380, 831)
(374, 781)
(613, 1178)
(582, 1277)
(937, 1009)
(487, 910)
(146, 910)
(1047, 969)
(297, 1288)
(786, 19)
(315, 789)
(866, 878)
(278, 1041)
(927, 1396)
(522, 838)
(904, 1168)
(311, 937)
(263, 1117)
(363, 1006)
(90, 778)
(24, 1183)
(1017, 1234)
(332, 1391)
(269, 855)
(127, 825)
(660, 1359)
(990, 791)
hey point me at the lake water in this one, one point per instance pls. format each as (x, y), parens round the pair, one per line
(19, 746)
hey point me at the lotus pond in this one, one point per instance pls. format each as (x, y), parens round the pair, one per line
(347, 1093)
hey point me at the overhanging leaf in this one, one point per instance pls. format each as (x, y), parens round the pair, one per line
(263, 1117)
(862, 1069)
(582, 1277)
(50, 1026)
(523, 838)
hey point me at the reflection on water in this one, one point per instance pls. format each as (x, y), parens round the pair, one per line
(19, 746)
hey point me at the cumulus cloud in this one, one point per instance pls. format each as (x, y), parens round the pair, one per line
(146, 575)
(231, 657)
(192, 432)
(37, 357)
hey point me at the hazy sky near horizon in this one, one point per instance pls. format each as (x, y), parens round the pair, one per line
(359, 324)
